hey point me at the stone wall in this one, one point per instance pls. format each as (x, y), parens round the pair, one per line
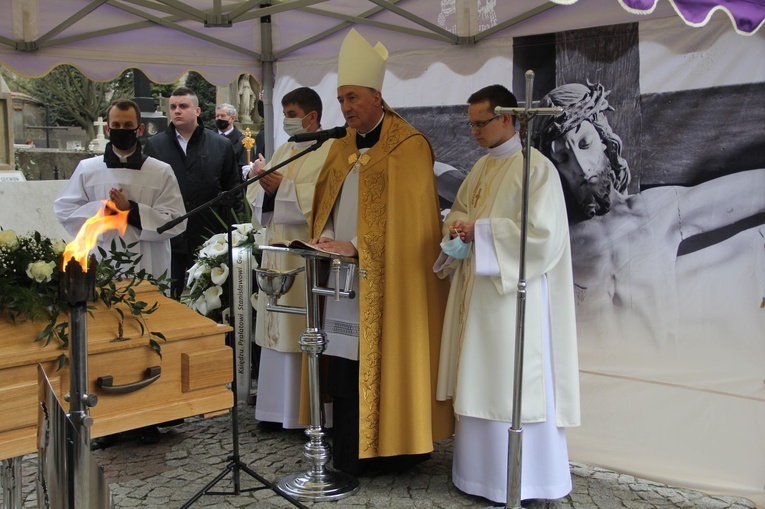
(40, 164)
(28, 206)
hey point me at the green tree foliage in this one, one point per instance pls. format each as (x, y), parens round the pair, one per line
(160, 90)
(73, 98)
(206, 93)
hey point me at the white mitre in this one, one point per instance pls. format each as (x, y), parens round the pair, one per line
(361, 64)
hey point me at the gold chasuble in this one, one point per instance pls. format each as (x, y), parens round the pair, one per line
(402, 301)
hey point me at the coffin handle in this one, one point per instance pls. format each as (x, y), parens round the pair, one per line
(105, 383)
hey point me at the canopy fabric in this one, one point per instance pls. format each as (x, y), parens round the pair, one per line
(222, 39)
(747, 15)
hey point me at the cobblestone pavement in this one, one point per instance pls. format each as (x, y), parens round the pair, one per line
(168, 474)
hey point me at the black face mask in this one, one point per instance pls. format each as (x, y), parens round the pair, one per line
(221, 124)
(123, 139)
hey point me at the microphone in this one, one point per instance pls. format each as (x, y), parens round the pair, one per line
(320, 136)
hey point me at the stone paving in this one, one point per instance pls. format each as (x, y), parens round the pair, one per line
(168, 474)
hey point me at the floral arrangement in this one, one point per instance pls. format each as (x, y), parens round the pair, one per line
(28, 274)
(29, 285)
(207, 278)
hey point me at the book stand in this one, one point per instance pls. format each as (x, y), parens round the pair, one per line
(318, 482)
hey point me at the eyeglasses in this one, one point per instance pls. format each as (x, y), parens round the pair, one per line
(481, 124)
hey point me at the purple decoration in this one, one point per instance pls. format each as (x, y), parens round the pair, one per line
(747, 14)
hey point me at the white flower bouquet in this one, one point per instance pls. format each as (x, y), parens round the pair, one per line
(207, 280)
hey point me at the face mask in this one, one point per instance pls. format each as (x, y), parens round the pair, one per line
(293, 126)
(123, 139)
(456, 248)
(221, 124)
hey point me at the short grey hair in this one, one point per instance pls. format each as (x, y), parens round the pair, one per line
(230, 110)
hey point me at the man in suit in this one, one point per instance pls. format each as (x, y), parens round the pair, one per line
(204, 164)
(225, 116)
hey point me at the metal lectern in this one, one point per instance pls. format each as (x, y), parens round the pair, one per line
(318, 482)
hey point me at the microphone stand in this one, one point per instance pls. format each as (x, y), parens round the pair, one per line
(235, 464)
(229, 193)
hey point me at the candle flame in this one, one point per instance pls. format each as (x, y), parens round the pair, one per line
(108, 218)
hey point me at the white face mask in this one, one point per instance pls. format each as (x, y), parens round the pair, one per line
(293, 126)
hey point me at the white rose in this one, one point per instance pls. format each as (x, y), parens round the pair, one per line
(9, 239)
(218, 275)
(59, 246)
(254, 301)
(41, 271)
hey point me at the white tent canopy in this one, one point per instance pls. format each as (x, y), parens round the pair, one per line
(222, 38)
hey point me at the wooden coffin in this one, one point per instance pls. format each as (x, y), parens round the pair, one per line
(195, 367)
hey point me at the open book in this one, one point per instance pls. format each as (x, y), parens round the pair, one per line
(299, 244)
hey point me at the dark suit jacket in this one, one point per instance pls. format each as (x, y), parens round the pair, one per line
(240, 154)
(203, 172)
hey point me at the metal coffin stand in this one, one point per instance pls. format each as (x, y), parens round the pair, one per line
(318, 483)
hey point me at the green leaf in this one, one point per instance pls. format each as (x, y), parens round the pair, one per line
(46, 334)
(155, 346)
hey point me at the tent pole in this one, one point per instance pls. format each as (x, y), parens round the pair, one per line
(267, 59)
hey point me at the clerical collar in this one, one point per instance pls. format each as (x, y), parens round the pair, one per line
(370, 138)
(506, 149)
(134, 160)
